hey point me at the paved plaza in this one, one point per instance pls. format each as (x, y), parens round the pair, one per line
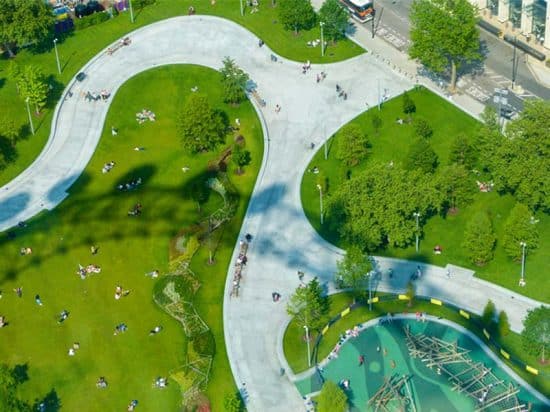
(283, 240)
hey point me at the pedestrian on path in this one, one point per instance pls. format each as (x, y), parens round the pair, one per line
(277, 108)
(448, 273)
(361, 360)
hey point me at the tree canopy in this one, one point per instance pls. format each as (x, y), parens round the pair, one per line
(462, 152)
(353, 270)
(308, 305)
(536, 331)
(456, 186)
(421, 156)
(444, 35)
(518, 228)
(335, 18)
(479, 239)
(297, 14)
(201, 128)
(352, 145)
(24, 21)
(9, 401)
(332, 398)
(377, 206)
(234, 82)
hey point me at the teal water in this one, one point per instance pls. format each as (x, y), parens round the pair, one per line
(431, 392)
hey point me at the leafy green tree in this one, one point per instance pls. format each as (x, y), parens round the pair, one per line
(422, 128)
(488, 140)
(14, 74)
(518, 228)
(297, 14)
(240, 157)
(332, 398)
(234, 82)
(488, 316)
(409, 106)
(201, 128)
(536, 332)
(33, 85)
(376, 123)
(376, 206)
(232, 402)
(444, 35)
(24, 21)
(523, 158)
(421, 156)
(353, 271)
(479, 239)
(462, 152)
(503, 324)
(9, 401)
(308, 305)
(335, 18)
(352, 145)
(456, 186)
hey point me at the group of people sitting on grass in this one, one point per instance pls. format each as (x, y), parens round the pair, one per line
(88, 270)
(131, 185)
(119, 292)
(161, 382)
(145, 115)
(108, 166)
(135, 211)
(25, 251)
(3, 322)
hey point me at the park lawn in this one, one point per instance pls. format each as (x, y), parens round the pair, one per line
(77, 48)
(295, 348)
(96, 213)
(392, 144)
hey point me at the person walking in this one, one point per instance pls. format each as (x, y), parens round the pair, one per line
(361, 360)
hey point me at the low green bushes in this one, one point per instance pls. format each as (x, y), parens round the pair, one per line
(91, 20)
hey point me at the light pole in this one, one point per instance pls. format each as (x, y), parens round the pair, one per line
(416, 215)
(522, 279)
(242, 8)
(322, 23)
(320, 188)
(29, 113)
(56, 55)
(514, 64)
(131, 12)
(308, 349)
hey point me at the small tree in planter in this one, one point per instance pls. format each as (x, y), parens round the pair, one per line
(240, 157)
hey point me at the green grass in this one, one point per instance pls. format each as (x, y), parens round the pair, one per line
(95, 213)
(392, 144)
(78, 48)
(296, 351)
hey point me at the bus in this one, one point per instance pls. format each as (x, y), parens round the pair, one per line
(361, 10)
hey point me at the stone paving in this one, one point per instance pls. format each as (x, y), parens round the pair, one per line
(283, 240)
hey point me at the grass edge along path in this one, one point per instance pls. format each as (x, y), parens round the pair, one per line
(341, 319)
(391, 144)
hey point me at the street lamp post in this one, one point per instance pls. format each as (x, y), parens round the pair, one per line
(416, 215)
(322, 23)
(320, 188)
(514, 64)
(522, 279)
(131, 12)
(29, 113)
(56, 55)
(308, 349)
(242, 8)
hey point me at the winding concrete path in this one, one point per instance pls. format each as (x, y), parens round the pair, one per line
(283, 239)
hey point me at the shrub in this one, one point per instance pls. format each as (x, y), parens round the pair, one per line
(204, 344)
(503, 324)
(408, 104)
(183, 288)
(91, 20)
(422, 128)
(488, 316)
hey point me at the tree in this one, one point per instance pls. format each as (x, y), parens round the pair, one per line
(462, 152)
(297, 14)
(240, 157)
(201, 128)
(353, 271)
(234, 82)
(522, 160)
(308, 305)
(489, 312)
(8, 137)
(33, 85)
(536, 331)
(503, 324)
(422, 128)
(518, 228)
(335, 18)
(409, 106)
(332, 398)
(14, 74)
(24, 21)
(488, 140)
(9, 401)
(444, 35)
(376, 206)
(421, 156)
(479, 239)
(410, 293)
(456, 186)
(352, 144)
(232, 402)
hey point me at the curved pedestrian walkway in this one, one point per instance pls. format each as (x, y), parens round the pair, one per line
(283, 241)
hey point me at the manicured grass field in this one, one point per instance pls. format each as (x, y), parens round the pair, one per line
(79, 47)
(392, 144)
(295, 348)
(96, 214)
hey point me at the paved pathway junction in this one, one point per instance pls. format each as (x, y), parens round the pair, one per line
(283, 239)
